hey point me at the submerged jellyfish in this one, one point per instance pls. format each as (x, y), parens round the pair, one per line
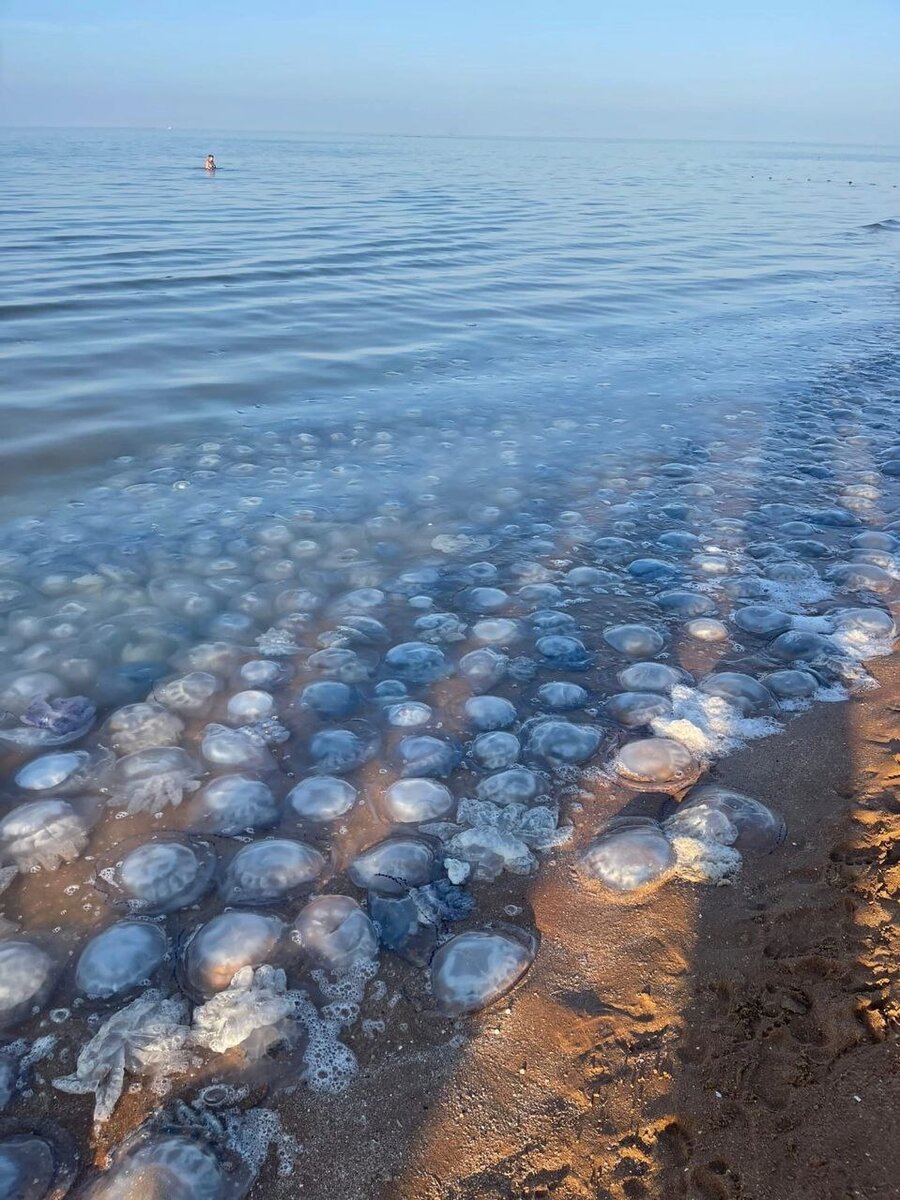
(758, 827)
(656, 762)
(409, 714)
(322, 798)
(560, 743)
(69, 716)
(516, 785)
(707, 629)
(426, 757)
(498, 631)
(562, 696)
(633, 709)
(232, 804)
(685, 604)
(37, 1161)
(440, 627)
(27, 976)
(791, 684)
(335, 933)
(264, 872)
(216, 951)
(416, 662)
(742, 691)
(190, 694)
(162, 875)
(637, 641)
(861, 577)
(43, 833)
(152, 779)
(142, 727)
(496, 750)
(250, 705)
(339, 750)
(549, 620)
(474, 969)
(652, 569)
(235, 748)
(412, 800)
(630, 854)
(169, 1166)
(800, 645)
(395, 865)
(482, 669)
(486, 599)
(265, 673)
(120, 958)
(564, 652)
(329, 699)
(66, 772)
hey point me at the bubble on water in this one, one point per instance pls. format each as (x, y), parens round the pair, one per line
(476, 968)
(191, 694)
(630, 854)
(234, 748)
(27, 976)
(233, 804)
(709, 725)
(335, 932)
(395, 865)
(153, 779)
(162, 875)
(141, 727)
(263, 872)
(409, 801)
(329, 699)
(119, 959)
(425, 757)
(557, 743)
(633, 709)
(637, 641)
(216, 951)
(658, 762)
(322, 798)
(42, 833)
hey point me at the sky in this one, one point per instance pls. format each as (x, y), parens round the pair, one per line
(788, 70)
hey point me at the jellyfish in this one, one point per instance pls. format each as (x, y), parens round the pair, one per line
(791, 684)
(266, 673)
(120, 958)
(159, 876)
(497, 631)
(656, 762)
(561, 696)
(564, 652)
(67, 717)
(483, 669)
(335, 933)
(630, 854)
(485, 599)
(613, 549)
(637, 641)
(440, 628)
(516, 785)
(237, 749)
(550, 621)
(743, 692)
(652, 569)
(191, 694)
(490, 851)
(254, 1012)
(142, 727)
(758, 827)
(706, 629)
(633, 709)
(216, 951)
(861, 577)
(38, 1161)
(416, 662)
(799, 645)
(412, 800)
(322, 798)
(329, 699)
(496, 750)
(475, 968)
(426, 757)
(66, 773)
(251, 705)
(335, 751)
(27, 976)
(395, 865)
(150, 780)
(43, 833)
(534, 594)
(558, 743)
(685, 604)
(174, 1166)
(410, 714)
(232, 804)
(263, 872)
(589, 577)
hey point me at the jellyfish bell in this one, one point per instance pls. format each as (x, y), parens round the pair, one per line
(218, 949)
(634, 709)
(514, 785)
(322, 798)
(120, 959)
(38, 1160)
(558, 743)
(416, 662)
(335, 933)
(656, 763)
(171, 1166)
(742, 691)
(409, 801)
(266, 871)
(189, 695)
(483, 669)
(561, 696)
(474, 969)
(495, 750)
(628, 856)
(140, 727)
(65, 773)
(160, 875)
(329, 699)
(791, 684)
(635, 641)
(27, 977)
(395, 865)
(43, 834)
(232, 804)
(152, 779)
(234, 749)
(758, 827)
(425, 757)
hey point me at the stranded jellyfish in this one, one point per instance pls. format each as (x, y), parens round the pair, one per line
(168, 1167)
(266, 871)
(190, 695)
(685, 604)
(160, 876)
(337, 750)
(322, 798)
(473, 969)
(395, 865)
(27, 975)
(37, 1161)
(755, 826)
(517, 785)
(412, 800)
(483, 669)
(630, 854)
(335, 933)
(560, 743)
(265, 673)
(563, 652)
(800, 645)
(791, 684)
(43, 834)
(637, 641)
(495, 750)
(741, 691)
(329, 699)
(706, 629)
(233, 804)
(656, 762)
(152, 779)
(633, 709)
(235, 748)
(216, 951)
(409, 714)
(120, 958)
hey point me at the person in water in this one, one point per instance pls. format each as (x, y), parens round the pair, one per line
(210, 163)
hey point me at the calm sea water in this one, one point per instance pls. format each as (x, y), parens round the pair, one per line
(144, 301)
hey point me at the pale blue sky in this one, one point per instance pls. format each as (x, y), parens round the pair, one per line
(809, 70)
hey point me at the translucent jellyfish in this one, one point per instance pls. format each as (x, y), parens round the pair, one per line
(150, 1036)
(263, 872)
(38, 1161)
(234, 748)
(679, 540)
(633, 709)
(496, 750)
(232, 804)
(250, 705)
(863, 632)
(409, 801)
(329, 699)
(167, 1166)
(549, 621)
(141, 727)
(637, 641)
(410, 714)
(490, 712)
(322, 798)
(43, 833)
(561, 696)
(440, 628)
(475, 968)
(516, 785)
(497, 631)
(395, 865)
(560, 743)
(254, 1012)
(486, 599)
(588, 577)
(861, 577)
(613, 549)
(564, 652)
(758, 827)
(66, 717)
(150, 780)
(533, 594)
(685, 604)
(742, 691)
(160, 876)
(483, 669)
(27, 976)
(799, 645)
(656, 762)
(872, 539)
(416, 662)
(652, 569)
(335, 933)
(630, 854)
(120, 958)
(216, 951)
(707, 629)
(19, 691)
(66, 772)
(791, 684)
(426, 757)
(764, 620)
(191, 694)
(265, 673)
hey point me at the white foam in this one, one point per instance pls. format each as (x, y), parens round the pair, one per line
(708, 725)
(701, 861)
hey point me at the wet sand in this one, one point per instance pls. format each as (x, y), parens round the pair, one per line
(737, 1041)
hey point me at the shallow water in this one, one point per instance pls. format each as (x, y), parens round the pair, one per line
(431, 457)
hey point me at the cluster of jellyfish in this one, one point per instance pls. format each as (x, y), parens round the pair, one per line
(270, 718)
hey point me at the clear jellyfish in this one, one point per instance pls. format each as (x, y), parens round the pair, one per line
(27, 976)
(335, 933)
(395, 865)
(496, 750)
(251, 705)
(496, 631)
(66, 773)
(791, 684)
(232, 804)
(141, 727)
(633, 709)
(637, 641)
(237, 749)
(758, 827)
(416, 662)
(38, 1161)
(630, 854)
(686, 605)
(409, 714)
(191, 695)
(42, 833)
(265, 673)
(516, 785)
(743, 692)
(153, 779)
(483, 669)
(159, 876)
(167, 1166)
(656, 762)
(440, 628)
(266, 871)
(216, 951)
(706, 629)
(558, 743)
(561, 696)
(409, 801)
(255, 1012)
(329, 699)
(475, 968)
(564, 652)
(485, 599)
(322, 798)
(425, 757)
(120, 958)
